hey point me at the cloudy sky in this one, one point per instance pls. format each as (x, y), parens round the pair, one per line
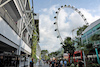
(68, 19)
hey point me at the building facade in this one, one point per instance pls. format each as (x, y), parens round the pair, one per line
(91, 30)
(16, 30)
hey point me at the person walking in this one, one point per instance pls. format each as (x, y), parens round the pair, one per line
(65, 63)
(81, 63)
(61, 63)
(56, 63)
(72, 65)
(53, 63)
(31, 63)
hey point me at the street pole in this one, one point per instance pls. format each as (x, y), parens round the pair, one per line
(97, 53)
(84, 59)
(83, 54)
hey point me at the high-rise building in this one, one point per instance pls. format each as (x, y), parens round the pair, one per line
(16, 30)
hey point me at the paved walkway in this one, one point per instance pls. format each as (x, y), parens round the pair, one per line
(46, 65)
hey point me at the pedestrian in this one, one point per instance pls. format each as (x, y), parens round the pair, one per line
(31, 63)
(72, 65)
(81, 63)
(56, 63)
(61, 63)
(65, 63)
(77, 65)
(49, 63)
(53, 63)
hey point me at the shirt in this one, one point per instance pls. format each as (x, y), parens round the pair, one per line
(65, 62)
(61, 62)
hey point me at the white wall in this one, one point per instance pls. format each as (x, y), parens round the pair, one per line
(9, 33)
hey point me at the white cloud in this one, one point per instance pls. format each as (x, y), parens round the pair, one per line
(89, 16)
(67, 22)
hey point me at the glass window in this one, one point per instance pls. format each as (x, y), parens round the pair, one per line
(96, 27)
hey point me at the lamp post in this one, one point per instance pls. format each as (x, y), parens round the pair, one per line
(82, 48)
(96, 46)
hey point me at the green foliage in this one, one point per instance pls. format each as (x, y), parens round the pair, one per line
(94, 65)
(95, 37)
(44, 54)
(34, 46)
(68, 45)
(81, 29)
(46, 57)
(54, 54)
(84, 47)
(44, 51)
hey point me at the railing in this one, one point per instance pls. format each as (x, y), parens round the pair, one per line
(5, 15)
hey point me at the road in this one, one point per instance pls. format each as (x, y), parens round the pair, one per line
(46, 65)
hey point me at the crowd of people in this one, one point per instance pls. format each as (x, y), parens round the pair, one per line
(64, 63)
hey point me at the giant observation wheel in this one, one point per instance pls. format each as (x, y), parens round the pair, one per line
(56, 19)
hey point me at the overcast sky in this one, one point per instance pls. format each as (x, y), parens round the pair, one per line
(68, 19)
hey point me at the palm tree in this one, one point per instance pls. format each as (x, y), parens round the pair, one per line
(84, 47)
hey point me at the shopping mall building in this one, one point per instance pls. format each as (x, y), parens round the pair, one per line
(16, 30)
(92, 29)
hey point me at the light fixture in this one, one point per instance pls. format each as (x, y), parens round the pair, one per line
(12, 51)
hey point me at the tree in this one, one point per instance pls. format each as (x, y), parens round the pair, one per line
(84, 47)
(95, 37)
(44, 51)
(81, 29)
(44, 54)
(68, 46)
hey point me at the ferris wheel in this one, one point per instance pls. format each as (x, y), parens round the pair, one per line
(56, 20)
